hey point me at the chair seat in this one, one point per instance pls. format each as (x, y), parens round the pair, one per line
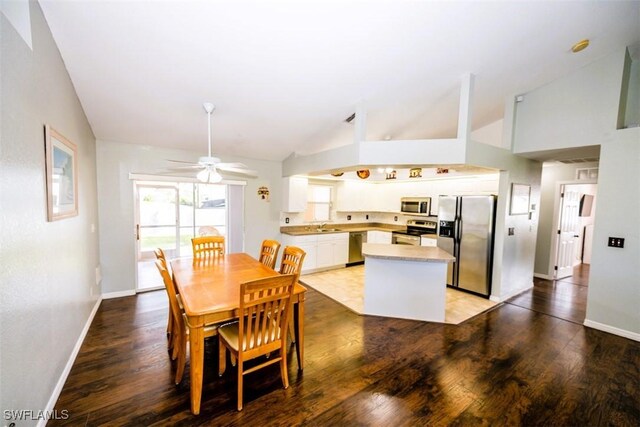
(230, 333)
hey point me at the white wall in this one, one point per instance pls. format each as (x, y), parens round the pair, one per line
(490, 134)
(614, 283)
(47, 285)
(580, 109)
(116, 204)
(553, 174)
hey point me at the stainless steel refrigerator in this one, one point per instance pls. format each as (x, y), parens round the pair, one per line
(466, 230)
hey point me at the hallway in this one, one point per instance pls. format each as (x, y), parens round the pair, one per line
(565, 298)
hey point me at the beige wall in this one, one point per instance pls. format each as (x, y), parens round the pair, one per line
(47, 285)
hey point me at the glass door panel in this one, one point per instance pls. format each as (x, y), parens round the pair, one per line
(157, 228)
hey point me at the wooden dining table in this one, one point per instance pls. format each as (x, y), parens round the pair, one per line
(210, 293)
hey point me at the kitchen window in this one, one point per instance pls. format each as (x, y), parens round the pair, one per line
(318, 203)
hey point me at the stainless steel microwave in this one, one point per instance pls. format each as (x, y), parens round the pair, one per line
(417, 205)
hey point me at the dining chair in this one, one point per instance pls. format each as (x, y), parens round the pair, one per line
(265, 306)
(207, 246)
(269, 252)
(179, 331)
(291, 263)
(161, 256)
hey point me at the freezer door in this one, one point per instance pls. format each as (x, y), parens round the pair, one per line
(476, 241)
(447, 208)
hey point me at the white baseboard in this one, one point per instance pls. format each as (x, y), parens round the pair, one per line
(119, 294)
(612, 330)
(511, 295)
(543, 276)
(67, 369)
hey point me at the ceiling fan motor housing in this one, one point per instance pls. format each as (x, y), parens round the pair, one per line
(208, 160)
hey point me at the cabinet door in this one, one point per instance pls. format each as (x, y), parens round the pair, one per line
(372, 236)
(294, 194)
(324, 256)
(341, 251)
(309, 262)
(384, 237)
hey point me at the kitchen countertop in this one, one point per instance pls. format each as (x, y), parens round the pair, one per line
(305, 230)
(406, 253)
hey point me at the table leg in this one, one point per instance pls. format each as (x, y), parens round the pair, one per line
(196, 350)
(298, 313)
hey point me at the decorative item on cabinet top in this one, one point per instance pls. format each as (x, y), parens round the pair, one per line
(415, 173)
(363, 174)
(391, 175)
(442, 170)
(263, 192)
(337, 174)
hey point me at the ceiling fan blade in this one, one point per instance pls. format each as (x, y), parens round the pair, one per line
(182, 161)
(241, 171)
(186, 168)
(231, 165)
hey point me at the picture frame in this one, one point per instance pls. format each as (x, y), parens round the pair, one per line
(61, 169)
(520, 195)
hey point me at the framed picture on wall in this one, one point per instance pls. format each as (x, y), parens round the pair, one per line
(520, 194)
(61, 164)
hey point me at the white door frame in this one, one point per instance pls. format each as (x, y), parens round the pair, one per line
(136, 186)
(553, 252)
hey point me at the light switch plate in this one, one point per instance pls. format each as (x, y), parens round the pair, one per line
(616, 242)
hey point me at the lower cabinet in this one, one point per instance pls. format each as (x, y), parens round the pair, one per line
(323, 250)
(429, 241)
(375, 236)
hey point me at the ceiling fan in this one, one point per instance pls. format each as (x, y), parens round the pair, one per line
(211, 165)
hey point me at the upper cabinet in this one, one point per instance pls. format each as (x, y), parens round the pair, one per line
(294, 191)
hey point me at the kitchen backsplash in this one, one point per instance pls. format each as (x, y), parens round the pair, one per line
(356, 217)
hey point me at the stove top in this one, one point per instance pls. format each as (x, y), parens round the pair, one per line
(418, 227)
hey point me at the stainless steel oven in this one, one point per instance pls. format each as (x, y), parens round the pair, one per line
(415, 229)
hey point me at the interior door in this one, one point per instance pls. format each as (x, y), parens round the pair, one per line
(157, 227)
(568, 232)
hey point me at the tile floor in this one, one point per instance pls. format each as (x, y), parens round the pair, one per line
(346, 286)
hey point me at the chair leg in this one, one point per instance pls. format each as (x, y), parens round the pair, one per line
(176, 340)
(283, 365)
(222, 357)
(170, 325)
(233, 360)
(240, 378)
(292, 333)
(181, 343)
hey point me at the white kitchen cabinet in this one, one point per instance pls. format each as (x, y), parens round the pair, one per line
(294, 194)
(308, 243)
(333, 249)
(353, 196)
(429, 241)
(323, 250)
(376, 236)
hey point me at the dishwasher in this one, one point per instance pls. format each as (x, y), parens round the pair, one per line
(356, 239)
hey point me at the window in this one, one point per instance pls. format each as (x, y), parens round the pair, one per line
(318, 203)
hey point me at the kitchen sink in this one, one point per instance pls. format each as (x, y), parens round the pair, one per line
(327, 230)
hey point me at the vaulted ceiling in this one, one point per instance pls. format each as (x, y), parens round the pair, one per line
(285, 75)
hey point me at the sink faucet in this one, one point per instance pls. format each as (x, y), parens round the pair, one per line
(321, 226)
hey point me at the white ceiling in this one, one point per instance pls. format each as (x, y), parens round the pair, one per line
(285, 75)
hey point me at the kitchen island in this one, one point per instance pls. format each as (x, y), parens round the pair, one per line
(405, 281)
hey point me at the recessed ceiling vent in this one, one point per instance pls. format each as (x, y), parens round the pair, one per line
(585, 160)
(350, 118)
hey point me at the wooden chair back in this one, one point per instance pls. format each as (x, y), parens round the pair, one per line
(269, 252)
(266, 304)
(292, 259)
(171, 293)
(207, 246)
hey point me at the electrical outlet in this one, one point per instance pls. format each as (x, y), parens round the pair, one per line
(348, 217)
(286, 220)
(511, 231)
(367, 216)
(616, 242)
(395, 218)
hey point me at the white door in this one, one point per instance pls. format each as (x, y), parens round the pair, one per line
(568, 232)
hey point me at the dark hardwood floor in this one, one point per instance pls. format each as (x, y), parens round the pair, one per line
(508, 366)
(565, 298)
